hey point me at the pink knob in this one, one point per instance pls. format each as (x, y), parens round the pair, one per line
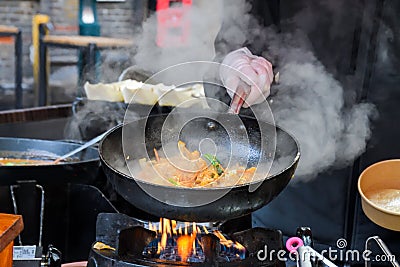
(293, 243)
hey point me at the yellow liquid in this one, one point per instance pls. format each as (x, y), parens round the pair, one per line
(18, 162)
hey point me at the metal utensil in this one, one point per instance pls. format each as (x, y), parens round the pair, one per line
(82, 147)
(384, 249)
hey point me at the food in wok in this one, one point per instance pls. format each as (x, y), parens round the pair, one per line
(18, 162)
(194, 170)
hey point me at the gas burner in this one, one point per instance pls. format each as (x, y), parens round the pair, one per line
(191, 242)
(124, 241)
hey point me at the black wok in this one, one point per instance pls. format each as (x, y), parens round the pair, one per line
(83, 168)
(238, 201)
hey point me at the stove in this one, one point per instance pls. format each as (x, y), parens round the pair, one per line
(125, 241)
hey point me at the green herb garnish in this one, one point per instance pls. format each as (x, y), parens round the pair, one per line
(172, 181)
(215, 162)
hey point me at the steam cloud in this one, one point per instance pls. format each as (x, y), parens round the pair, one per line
(309, 101)
(310, 105)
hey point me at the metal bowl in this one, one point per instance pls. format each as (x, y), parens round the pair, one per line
(381, 175)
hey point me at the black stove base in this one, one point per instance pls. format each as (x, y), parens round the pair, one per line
(128, 238)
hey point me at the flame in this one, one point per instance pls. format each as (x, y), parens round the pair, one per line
(186, 228)
(185, 246)
(222, 239)
(186, 237)
(173, 222)
(163, 240)
(165, 231)
(194, 228)
(167, 226)
(239, 246)
(194, 236)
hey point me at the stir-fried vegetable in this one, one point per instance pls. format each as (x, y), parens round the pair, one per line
(172, 181)
(215, 162)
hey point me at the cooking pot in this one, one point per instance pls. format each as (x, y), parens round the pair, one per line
(82, 168)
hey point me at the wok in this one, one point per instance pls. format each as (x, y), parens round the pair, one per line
(234, 202)
(82, 168)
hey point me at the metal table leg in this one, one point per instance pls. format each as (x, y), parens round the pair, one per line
(18, 70)
(42, 94)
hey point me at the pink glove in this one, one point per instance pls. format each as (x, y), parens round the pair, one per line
(256, 72)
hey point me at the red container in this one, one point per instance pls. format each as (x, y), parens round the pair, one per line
(173, 27)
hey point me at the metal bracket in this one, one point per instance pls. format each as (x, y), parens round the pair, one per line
(383, 247)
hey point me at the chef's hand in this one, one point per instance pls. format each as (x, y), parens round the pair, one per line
(241, 65)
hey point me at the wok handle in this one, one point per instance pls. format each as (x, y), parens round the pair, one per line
(239, 97)
(242, 92)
